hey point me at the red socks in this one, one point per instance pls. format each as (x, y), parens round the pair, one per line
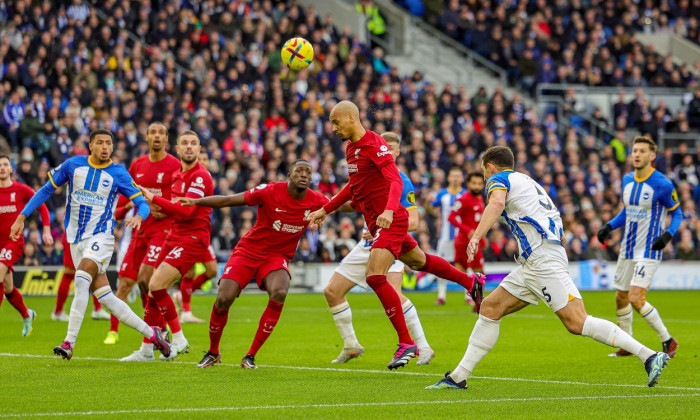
(167, 308)
(15, 299)
(113, 323)
(63, 289)
(152, 316)
(443, 269)
(96, 302)
(186, 291)
(392, 305)
(217, 322)
(268, 321)
(199, 281)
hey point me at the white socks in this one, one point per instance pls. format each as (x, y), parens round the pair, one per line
(342, 316)
(79, 304)
(122, 311)
(414, 325)
(608, 333)
(442, 288)
(624, 318)
(179, 337)
(146, 348)
(652, 317)
(483, 338)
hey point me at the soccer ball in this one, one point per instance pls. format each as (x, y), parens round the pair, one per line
(297, 54)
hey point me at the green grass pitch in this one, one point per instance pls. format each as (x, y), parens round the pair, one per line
(536, 370)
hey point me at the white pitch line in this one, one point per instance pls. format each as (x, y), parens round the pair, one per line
(342, 405)
(385, 372)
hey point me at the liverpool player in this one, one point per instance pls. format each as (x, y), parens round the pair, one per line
(64, 289)
(13, 197)
(351, 272)
(375, 188)
(263, 253)
(154, 172)
(465, 216)
(186, 243)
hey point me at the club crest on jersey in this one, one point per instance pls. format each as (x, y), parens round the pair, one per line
(306, 213)
(12, 196)
(106, 183)
(160, 177)
(357, 153)
(645, 196)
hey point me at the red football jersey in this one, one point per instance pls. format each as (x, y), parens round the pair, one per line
(281, 220)
(156, 177)
(189, 223)
(467, 211)
(370, 189)
(12, 202)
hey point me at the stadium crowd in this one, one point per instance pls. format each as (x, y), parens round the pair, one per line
(69, 67)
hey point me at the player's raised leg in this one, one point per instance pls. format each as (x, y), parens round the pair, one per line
(415, 328)
(229, 289)
(335, 292)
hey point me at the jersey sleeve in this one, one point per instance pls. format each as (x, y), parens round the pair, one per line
(669, 197)
(126, 185)
(408, 195)
(381, 154)
(256, 196)
(199, 186)
(60, 174)
(497, 181)
(438, 199)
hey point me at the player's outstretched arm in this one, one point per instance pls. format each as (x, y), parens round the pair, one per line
(34, 203)
(497, 203)
(142, 212)
(215, 201)
(343, 196)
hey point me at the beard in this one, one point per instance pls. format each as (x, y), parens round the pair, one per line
(188, 160)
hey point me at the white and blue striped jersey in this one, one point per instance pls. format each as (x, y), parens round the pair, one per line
(529, 212)
(446, 200)
(408, 201)
(647, 201)
(92, 196)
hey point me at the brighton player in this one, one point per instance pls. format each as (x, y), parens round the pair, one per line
(13, 197)
(445, 200)
(543, 274)
(647, 195)
(154, 172)
(351, 272)
(263, 253)
(186, 243)
(375, 188)
(94, 182)
(98, 312)
(465, 216)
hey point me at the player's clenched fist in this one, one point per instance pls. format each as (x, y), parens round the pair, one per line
(317, 217)
(384, 220)
(17, 228)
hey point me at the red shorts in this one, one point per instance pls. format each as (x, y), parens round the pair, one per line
(461, 257)
(67, 257)
(242, 269)
(11, 252)
(395, 239)
(209, 255)
(142, 250)
(180, 254)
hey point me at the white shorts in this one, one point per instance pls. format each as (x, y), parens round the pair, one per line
(98, 248)
(354, 266)
(446, 249)
(638, 273)
(545, 275)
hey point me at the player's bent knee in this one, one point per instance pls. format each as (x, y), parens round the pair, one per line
(223, 301)
(278, 295)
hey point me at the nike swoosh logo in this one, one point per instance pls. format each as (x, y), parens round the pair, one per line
(280, 210)
(139, 175)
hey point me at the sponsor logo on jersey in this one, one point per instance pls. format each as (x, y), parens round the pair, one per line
(160, 177)
(12, 196)
(286, 228)
(352, 168)
(8, 209)
(259, 187)
(636, 214)
(87, 198)
(156, 191)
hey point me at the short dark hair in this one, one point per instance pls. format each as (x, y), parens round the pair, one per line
(158, 123)
(647, 140)
(473, 174)
(5, 156)
(499, 156)
(455, 168)
(100, 131)
(296, 162)
(390, 136)
(188, 133)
